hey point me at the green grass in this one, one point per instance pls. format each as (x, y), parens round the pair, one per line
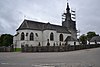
(18, 50)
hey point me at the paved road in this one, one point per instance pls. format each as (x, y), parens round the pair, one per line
(82, 58)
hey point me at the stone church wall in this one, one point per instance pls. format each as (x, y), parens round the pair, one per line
(35, 42)
(46, 36)
(42, 38)
(72, 42)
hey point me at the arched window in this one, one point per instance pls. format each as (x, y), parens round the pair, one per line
(31, 36)
(22, 36)
(61, 37)
(51, 36)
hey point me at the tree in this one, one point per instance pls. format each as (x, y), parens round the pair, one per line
(83, 39)
(6, 40)
(90, 35)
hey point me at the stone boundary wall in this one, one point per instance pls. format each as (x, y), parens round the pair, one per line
(7, 49)
(27, 48)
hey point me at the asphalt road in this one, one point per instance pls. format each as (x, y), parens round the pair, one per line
(82, 58)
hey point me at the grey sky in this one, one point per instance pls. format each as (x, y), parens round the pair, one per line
(13, 12)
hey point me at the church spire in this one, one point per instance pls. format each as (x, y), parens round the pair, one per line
(67, 15)
(68, 22)
(68, 9)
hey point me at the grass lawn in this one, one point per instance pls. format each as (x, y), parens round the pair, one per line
(18, 50)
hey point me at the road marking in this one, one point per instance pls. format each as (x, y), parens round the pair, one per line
(4, 63)
(43, 65)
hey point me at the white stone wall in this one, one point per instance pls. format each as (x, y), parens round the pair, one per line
(65, 35)
(72, 42)
(42, 38)
(94, 42)
(35, 42)
(46, 35)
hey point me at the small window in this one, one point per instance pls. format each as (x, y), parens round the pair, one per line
(36, 34)
(51, 36)
(26, 34)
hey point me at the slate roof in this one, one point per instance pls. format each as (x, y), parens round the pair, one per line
(35, 25)
(69, 38)
(95, 38)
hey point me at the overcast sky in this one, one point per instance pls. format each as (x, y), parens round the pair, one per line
(13, 12)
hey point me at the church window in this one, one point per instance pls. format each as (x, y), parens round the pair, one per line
(31, 36)
(51, 36)
(61, 37)
(22, 36)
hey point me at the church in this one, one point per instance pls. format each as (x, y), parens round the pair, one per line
(39, 34)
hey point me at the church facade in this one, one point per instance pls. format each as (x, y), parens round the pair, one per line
(40, 34)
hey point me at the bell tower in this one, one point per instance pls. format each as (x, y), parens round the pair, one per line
(68, 22)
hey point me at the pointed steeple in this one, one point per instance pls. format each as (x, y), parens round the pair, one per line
(67, 15)
(68, 22)
(68, 9)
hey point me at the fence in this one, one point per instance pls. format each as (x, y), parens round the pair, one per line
(27, 48)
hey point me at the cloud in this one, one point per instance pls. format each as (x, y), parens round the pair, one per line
(88, 16)
(12, 13)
